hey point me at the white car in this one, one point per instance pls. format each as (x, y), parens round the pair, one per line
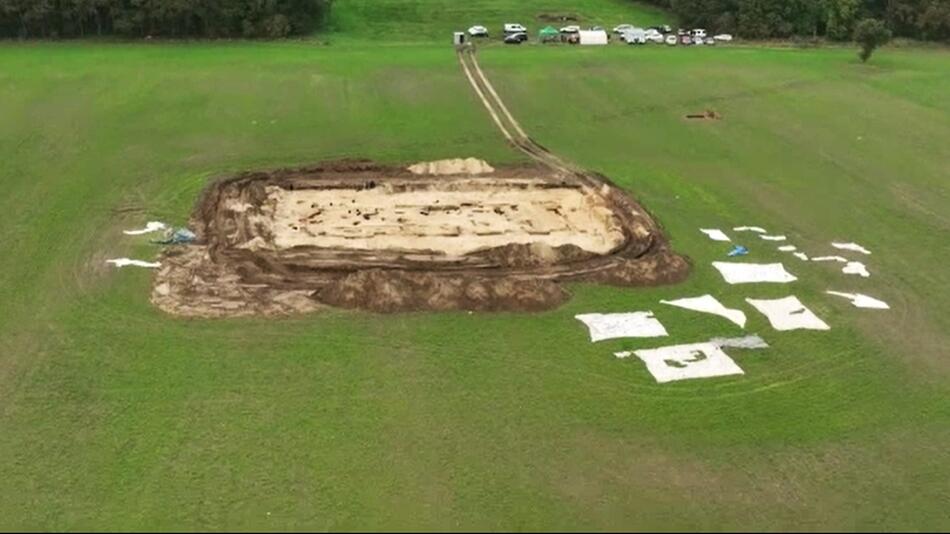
(515, 28)
(671, 40)
(623, 28)
(478, 31)
(653, 36)
(723, 37)
(570, 29)
(698, 32)
(710, 41)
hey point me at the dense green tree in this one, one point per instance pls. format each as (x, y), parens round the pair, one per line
(840, 18)
(870, 34)
(160, 18)
(934, 20)
(836, 19)
(901, 16)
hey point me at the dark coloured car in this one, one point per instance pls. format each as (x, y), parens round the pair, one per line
(516, 38)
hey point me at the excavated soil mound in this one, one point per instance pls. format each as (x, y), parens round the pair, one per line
(452, 166)
(448, 235)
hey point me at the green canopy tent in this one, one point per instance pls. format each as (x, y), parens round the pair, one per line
(549, 33)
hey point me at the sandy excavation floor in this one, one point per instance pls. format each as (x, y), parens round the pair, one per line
(452, 235)
(451, 217)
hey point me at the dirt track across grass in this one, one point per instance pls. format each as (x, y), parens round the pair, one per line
(449, 235)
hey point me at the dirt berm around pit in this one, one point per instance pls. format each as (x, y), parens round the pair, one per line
(453, 235)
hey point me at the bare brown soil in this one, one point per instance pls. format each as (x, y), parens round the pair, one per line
(354, 234)
(558, 17)
(709, 115)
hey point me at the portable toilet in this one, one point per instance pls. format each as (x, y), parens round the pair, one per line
(458, 38)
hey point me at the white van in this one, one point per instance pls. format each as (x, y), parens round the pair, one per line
(698, 32)
(634, 36)
(515, 28)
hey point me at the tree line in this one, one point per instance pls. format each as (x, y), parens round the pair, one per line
(27, 19)
(834, 19)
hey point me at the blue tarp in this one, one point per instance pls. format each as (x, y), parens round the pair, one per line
(181, 236)
(739, 250)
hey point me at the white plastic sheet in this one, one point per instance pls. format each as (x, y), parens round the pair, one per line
(684, 362)
(126, 262)
(752, 273)
(854, 247)
(862, 301)
(755, 229)
(838, 259)
(620, 325)
(709, 304)
(788, 314)
(152, 226)
(715, 234)
(856, 267)
(747, 342)
(773, 237)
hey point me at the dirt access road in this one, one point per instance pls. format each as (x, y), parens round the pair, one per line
(431, 236)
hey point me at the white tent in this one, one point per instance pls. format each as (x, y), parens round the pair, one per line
(593, 37)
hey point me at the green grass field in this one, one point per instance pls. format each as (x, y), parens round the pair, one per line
(114, 416)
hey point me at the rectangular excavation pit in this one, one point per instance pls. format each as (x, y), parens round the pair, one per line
(447, 218)
(361, 235)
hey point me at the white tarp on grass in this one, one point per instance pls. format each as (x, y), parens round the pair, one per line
(683, 362)
(800, 255)
(152, 226)
(709, 304)
(752, 273)
(619, 325)
(755, 229)
(715, 234)
(773, 237)
(838, 259)
(788, 314)
(854, 247)
(788, 248)
(856, 267)
(126, 262)
(747, 342)
(862, 301)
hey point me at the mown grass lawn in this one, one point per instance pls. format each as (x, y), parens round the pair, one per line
(114, 416)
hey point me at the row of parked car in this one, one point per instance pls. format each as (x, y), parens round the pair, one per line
(665, 34)
(628, 33)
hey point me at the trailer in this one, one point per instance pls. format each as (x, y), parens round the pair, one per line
(597, 38)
